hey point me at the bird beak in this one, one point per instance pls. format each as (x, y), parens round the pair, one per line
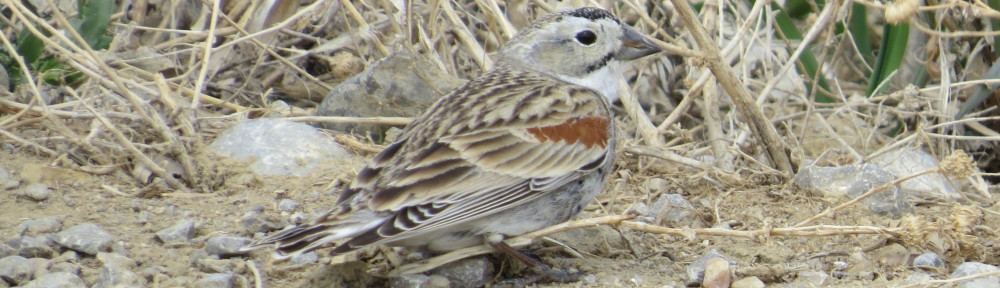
(636, 46)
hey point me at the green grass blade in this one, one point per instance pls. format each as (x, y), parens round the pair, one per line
(890, 54)
(859, 31)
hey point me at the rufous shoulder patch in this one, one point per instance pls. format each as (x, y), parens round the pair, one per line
(590, 131)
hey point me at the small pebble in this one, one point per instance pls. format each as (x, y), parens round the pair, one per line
(56, 280)
(409, 281)
(970, 268)
(717, 274)
(181, 232)
(656, 185)
(6, 250)
(254, 221)
(287, 205)
(696, 270)
(749, 282)
(31, 247)
(8, 181)
(39, 266)
(673, 210)
(306, 258)
(37, 192)
(35, 227)
(812, 278)
(16, 269)
(115, 276)
(471, 272)
(220, 280)
(117, 260)
(87, 238)
(65, 267)
(226, 245)
(929, 260)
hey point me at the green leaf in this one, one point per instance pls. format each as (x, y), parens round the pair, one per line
(93, 22)
(890, 54)
(29, 46)
(859, 31)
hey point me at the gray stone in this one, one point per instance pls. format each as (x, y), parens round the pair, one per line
(420, 281)
(906, 161)
(57, 280)
(287, 205)
(220, 280)
(470, 272)
(16, 269)
(37, 192)
(116, 277)
(35, 227)
(115, 259)
(31, 247)
(656, 185)
(255, 222)
(401, 84)
(749, 282)
(673, 210)
(853, 181)
(696, 270)
(39, 266)
(970, 268)
(276, 147)
(305, 258)
(409, 281)
(6, 250)
(87, 238)
(929, 260)
(226, 245)
(813, 278)
(65, 267)
(8, 181)
(181, 232)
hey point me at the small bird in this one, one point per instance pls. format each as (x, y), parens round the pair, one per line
(524, 146)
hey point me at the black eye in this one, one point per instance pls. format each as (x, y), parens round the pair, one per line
(586, 37)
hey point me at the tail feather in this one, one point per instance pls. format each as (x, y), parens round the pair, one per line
(302, 239)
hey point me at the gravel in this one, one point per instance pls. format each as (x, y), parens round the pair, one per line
(87, 238)
(224, 246)
(16, 269)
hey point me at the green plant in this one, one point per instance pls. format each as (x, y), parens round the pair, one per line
(92, 25)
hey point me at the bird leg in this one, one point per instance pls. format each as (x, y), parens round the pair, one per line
(543, 273)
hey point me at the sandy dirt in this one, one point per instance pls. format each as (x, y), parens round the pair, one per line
(614, 256)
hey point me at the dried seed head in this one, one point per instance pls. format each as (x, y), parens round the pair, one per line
(958, 165)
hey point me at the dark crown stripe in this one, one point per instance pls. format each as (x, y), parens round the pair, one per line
(593, 14)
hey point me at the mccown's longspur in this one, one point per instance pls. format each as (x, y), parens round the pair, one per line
(526, 145)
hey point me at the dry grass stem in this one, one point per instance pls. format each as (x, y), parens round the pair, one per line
(764, 233)
(759, 125)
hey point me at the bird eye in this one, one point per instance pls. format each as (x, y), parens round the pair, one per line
(586, 37)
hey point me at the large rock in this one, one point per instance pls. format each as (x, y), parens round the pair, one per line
(87, 238)
(278, 147)
(401, 85)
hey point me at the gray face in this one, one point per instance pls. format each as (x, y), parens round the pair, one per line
(568, 45)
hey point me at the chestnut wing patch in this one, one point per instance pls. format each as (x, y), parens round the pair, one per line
(590, 131)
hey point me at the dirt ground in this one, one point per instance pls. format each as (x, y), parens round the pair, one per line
(615, 256)
(169, 96)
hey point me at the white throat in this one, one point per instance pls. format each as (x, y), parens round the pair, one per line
(604, 80)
